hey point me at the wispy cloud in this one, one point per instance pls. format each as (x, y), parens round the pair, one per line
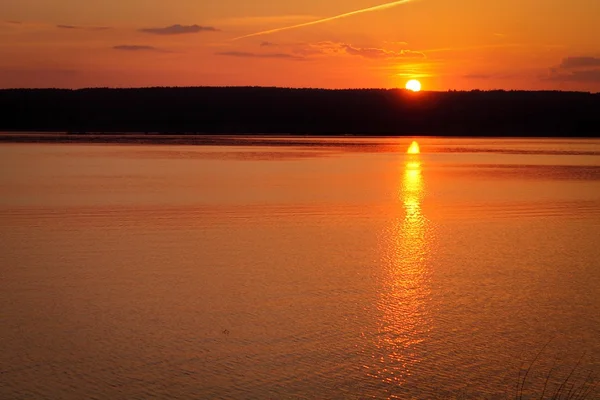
(373, 52)
(243, 54)
(338, 49)
(179, 29)
(14, 25)
(42, 25)
(323, 20)
(89, 28)
(326, 48)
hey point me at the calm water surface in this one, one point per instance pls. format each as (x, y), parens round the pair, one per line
(298, 269)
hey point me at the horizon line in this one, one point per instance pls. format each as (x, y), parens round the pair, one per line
(399, 88)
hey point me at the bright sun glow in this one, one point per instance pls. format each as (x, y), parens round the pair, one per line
(413, 148)
(413, 85)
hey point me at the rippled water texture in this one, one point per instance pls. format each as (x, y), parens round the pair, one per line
(272, 268)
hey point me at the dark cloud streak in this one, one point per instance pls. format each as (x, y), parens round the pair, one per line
(75, 27)
(179, 29)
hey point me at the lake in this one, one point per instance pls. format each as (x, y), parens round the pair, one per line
(307, 268)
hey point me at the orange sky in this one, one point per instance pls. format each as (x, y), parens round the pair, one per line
(462, 44)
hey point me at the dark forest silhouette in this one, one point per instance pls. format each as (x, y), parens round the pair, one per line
(255, 110)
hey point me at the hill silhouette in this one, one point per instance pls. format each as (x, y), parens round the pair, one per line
(259, 110)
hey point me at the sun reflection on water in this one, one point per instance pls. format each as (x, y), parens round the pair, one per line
(403, 305)
(411, 194)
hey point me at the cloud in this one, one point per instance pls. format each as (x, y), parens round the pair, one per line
(337, 49)
(12, 24)
(179, 29)
(372, 52)
(243, 54)
(323, 20)
(576, 69)
(309, 50)
(128, 47)
(579, 62)
(319, 48)
(29, 24)
(75, 27)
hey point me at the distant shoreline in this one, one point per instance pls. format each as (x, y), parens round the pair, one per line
(229, 140)
(260, 111)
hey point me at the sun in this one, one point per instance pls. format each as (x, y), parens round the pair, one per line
(413, 85)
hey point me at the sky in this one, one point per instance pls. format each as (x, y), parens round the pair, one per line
(446, 44)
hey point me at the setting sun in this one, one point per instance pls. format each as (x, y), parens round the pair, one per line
(413, 148)
(413, 85)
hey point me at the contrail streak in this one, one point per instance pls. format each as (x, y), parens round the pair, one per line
(320, 21)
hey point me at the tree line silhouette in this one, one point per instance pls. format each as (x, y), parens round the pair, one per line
(259, 110)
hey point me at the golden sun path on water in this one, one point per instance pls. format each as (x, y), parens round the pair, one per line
(413, 148)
